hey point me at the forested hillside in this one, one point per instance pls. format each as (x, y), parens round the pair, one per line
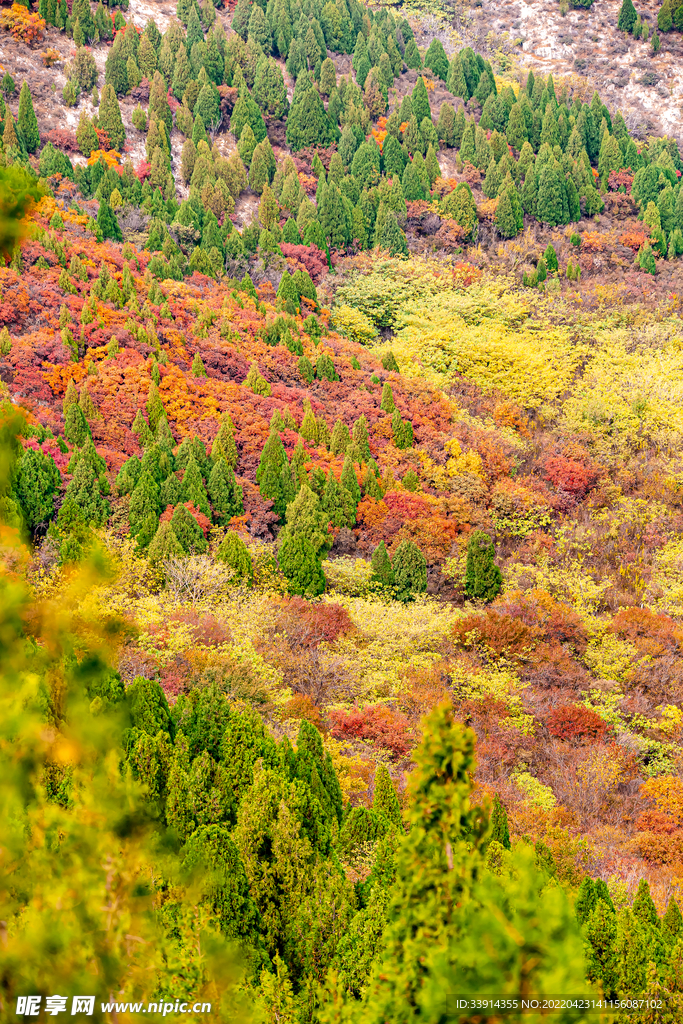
(341, 615)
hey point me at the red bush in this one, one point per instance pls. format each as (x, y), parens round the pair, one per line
(312, 624)
(570, 475)
(618, 178)
(310, 258)
(574, 722)
(61, 138)
(375, 723)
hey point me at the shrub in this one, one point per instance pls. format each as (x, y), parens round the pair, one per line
(574, 722)
(375, 723)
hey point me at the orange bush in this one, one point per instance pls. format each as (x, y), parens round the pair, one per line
(23, 25)
(375, 723)
(574, 722)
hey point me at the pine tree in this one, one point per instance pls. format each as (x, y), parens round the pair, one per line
(27, 122)
(387, 403)
(341, 438)
(225, 493)
(273, 477)
(382, 572)
(384, 800)
(436, 59)
(601, 960)
(301, 566)
(672, 922)
(76, 429)
(233, 552)
(193, 487)
(349, 480)
(508, 216)
(483, 578)
(38, 481)
(586, 900)
(224, 446)
(410, 571)
(109, 117)
(627, 16)
(188, 532)
(499, 824)
(643, 905)
(107, 222)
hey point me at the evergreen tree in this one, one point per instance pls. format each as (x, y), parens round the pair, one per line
(672, 922)
(76, 429)
(643, 906)
(382, 572)
(308, 123)
(384, 800)
(601, 959)
(27, 122)
(273, 477)
(225, 493)
(483, 578)
(410, 571)
(224, 446)
(301, 566)
(38, 481)
(188, 532)
(387, 403)
(193, 487)
(508, 216)
(499, 824)
(627, 16)
(143, 500)
(109, 117)
(586, 900)
(233, 551)
(436, 59)
(107, 222)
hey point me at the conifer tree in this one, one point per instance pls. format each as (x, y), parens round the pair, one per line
(672, 922)
(27, 122)
(224, 446)
(349, 480)
(193, 487)
(586, 900)
(107, 222)
(387, 403)
(233, 552)
(301, 565)
(109, 117)
(499, 824)
(601, 959)
(341, 438)
(410, 571)
(188, 532)
(273, 477)
(384, 800)
(627, 16)
(483, 578)
(643, 905)
(382, 572)
(225, 493)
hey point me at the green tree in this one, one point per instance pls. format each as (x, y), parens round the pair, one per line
(301, 566)
(436, 59)
(188, 532)
(410, 571)
(308, 123)
(38, 481)
(382, 572)
(193, 487)
(384, 800)
(586, 900)
(273, 477)
(27, 122)
(224, 446)
(499, 824)
(109, 117)
(627, 16)
(108, 223)
(164, 544)
(234, 552)
(483, 578)
(225, 493)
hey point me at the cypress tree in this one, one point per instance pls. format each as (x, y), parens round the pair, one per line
(27, 122)
(350, 481)
(483, 578)
(188, 532)
(499, 824)
(272, 475)
(410, 571)
(387, 403)
(672, 922)
(224, 446)
(341, 438)
(108, 223)
(382, 572)
(384, 800)
(643, 905)
(143, 501)
(109, 117)
(233, 552)
(301, 566)
(586, 900)
(193, 487)
(225, 493)
(601, 958)
(627, 16)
